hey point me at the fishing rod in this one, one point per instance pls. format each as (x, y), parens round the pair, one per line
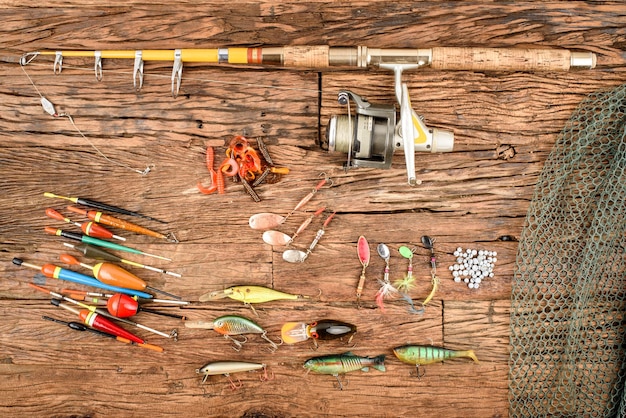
(95, 241)
(97, 253)
(102, 206)
(77, 326)
(102, 312)
(91, 229)
(115, 275)
(56, 272)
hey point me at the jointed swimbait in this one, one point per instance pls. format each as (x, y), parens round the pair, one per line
(336, 364)
(427, 354)
(227, 367)
(229, 325)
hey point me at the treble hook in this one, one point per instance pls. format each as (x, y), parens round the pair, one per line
(238, 344)
(272, 343)
(232, 384)
(417, 372)
(340, 385)
(265, 377)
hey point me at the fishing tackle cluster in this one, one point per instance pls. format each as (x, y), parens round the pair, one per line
(99, 312)
(473, 266)
(243, 164)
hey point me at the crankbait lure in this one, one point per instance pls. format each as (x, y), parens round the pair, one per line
(229, 325)
(363, 252)
(326, 329)
(420, 355)
(250, 295)
(226, 368)
(336, 364)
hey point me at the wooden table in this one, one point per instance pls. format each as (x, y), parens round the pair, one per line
(505, 124)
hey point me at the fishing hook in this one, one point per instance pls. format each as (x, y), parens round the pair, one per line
(417, 372)
(340, 384)
(272, 343)
(265, 376)
(238, 343)
(232, 384)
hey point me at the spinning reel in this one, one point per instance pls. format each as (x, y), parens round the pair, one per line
(371, 135)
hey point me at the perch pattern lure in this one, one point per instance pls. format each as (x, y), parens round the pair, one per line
(232, 325)
(419, 355)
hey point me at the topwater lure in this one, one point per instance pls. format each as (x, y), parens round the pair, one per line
(102, 206)
(363, 252)
(420, 355)
(226, 368)
(325, 329)
(336, 364)
(229, 325)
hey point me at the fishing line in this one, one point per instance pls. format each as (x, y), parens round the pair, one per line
(49, 108)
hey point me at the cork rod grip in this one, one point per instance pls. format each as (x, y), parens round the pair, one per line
(306, 56)
(500, 59)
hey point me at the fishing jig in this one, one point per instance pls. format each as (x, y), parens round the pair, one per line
(272, 237)
(325, 329)
(266, 220)
(297, 256)
(55, 272)
(89, 228)
(121, 224)
(101, 243)
(102, 312)
(103, 206)
(336, 364)
(77, 326)
(363, 252)
(419, 355)
(99, 254)
(226, 368)
(229, 325)
(114, 275)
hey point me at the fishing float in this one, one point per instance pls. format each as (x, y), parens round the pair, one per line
(99, 242)
(114, 275)
(100, 205)
(56, 272)
(97, 253)
(120, 223)
(77, 326)
(102, 312)
(75, 293)
(91, 229)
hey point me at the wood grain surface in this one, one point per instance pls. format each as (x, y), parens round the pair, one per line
(505, 124)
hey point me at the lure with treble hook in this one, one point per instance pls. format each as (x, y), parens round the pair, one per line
(250, 294)
(101, 243)
(55, 272)
(363, 252)
(91, 229)
(120, 223)
(77, 326)
(115, 275)
(226, 368)
(325, 329)
(266, 220)
(102, 312)
(229, 325)
(385, 285)
(97, 253)
(101, 206)
(297, 256)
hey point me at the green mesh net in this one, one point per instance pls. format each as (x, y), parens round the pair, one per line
(568, 313)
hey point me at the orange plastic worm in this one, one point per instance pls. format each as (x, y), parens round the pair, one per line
(115, 222)
(221, 186)
(210, 157)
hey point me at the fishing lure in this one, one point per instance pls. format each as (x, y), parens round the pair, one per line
(249, 295)
(386, 287)
(407, 283)
(336, 364)
(226, 368)
(229, 325)
(272, 237)
(265, 220)
(363, 252)
(89, 228)
(325, 329)
(420, 355)
(429, 244)
(297, 256)
(121, 224)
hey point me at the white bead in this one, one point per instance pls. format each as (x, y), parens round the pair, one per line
(478, 280)
(470, 285)
(466, 280)
(457, 279)
(459, 249)
(476, 285)
(490, 274)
